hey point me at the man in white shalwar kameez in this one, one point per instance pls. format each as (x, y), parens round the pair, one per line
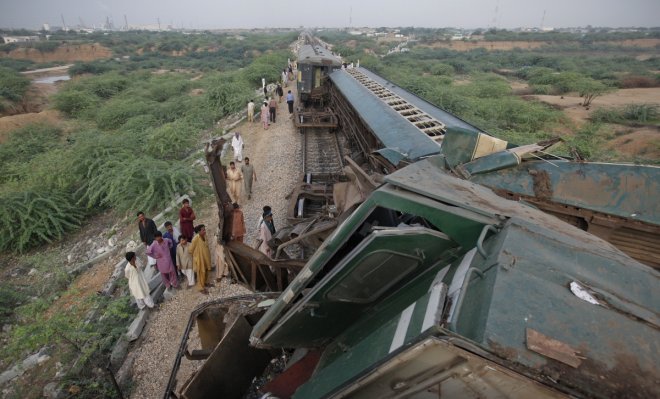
(237, 145)
(137, 284)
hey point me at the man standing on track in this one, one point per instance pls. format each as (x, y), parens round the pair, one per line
(186, 218)
(147, 230)
(280, 92)
(250, 111)
(137, 284)
(249, 175)
(289, 101)
(201, 257)
(272, 109)
(264, 115)
(235, 180)
(160, 250)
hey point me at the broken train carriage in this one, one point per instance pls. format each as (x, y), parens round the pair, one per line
(436, 286)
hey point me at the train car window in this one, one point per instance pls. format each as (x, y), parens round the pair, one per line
(375, 274)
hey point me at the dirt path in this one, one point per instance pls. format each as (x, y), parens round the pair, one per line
(276, 154)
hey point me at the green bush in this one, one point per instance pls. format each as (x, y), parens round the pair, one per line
(134, 183)
(587, 141)
(30, 218)
(641, 113)
(636, 113)
(227, 94)
(74, 103)
(442, 69)
(24, 144)
(107, 86)
(117, 111)
(12, 85)
(47, 46)
(94, 68)
(139, 124)
(165, 88)
(171, 141)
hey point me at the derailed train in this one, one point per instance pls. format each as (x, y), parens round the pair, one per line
(442, 282)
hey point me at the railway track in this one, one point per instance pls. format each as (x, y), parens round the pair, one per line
(321, 156)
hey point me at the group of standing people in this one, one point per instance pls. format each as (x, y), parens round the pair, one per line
(269, 105)
(175, 254)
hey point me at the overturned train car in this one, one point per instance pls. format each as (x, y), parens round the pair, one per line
(436, 286)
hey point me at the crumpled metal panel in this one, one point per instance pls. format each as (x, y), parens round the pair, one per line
(629, 191)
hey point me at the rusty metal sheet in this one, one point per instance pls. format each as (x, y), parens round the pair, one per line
(552, 348)
(628, 191)
(229, 370)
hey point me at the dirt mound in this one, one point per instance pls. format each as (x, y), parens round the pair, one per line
(642, 142)
(64, 53)
(571, 104)
(9, 123)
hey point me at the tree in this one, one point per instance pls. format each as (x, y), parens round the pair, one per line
(589, 89)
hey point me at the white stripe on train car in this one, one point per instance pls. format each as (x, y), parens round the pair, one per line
(402, 327)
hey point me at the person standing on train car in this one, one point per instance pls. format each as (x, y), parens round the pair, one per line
(289, 101)
(272, 109)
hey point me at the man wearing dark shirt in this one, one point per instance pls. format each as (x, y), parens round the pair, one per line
(147, 229)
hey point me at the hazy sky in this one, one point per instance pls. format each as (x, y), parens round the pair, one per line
(202, 14)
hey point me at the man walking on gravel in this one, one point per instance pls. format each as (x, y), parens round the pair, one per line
(249, 175)
(264, 115)
(289, 102)
(237, 144)
(280, 92)
(250, 111)
(160, 250)
(137, 284)
(272, 109)
(199, 249)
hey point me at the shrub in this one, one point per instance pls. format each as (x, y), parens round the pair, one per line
(171, 141)
(442, 69)
(640, 112)
(132, 183)
(12, 85)
(226, 94)
(631, 82)
(586, 141)
(47, 46)
(117, 111)
(24, 144)
(107, 86)
(94, 68)
(30, 218)
(166, 88)
(139, 124)
(74, 103)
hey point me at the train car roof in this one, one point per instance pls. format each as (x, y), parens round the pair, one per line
(317, 55)
(450, 120)
(397, 134)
